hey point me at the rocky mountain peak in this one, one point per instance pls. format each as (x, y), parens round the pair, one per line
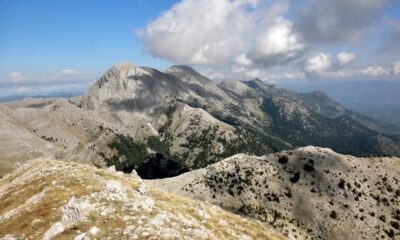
(188, 74)
(126, 70)
(259, 84)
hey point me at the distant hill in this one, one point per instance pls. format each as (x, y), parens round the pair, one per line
(377, 99)
(52, 95)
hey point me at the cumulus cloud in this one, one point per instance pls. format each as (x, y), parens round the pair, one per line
(376, 71)
(256, 38)
(204, 32)
(16, 77)
(317, 65)
(277, 43)
(396, 68)
(242, 60)
(215, 33)
(345, 57)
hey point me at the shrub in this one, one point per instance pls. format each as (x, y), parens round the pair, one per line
(395, 225)
(333, 215)
(283, 159)
(341, 183)
(295, 178)
(308, 167)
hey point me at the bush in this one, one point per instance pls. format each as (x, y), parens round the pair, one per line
(308, 167)
(395, 225)
(333, 215)
(295, 178)
(283, 159)
(341, 183)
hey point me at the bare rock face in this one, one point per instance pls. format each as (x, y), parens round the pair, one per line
(47, 199)
(306, 193)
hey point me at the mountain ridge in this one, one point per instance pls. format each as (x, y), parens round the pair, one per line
(141, 108)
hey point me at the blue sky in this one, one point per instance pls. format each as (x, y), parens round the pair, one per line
(39, 36)
(44, 37)
(53, 45)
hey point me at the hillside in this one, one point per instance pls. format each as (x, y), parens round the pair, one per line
(48, 199)
(307, 193)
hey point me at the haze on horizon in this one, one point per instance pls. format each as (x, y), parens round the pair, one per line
(64, 46)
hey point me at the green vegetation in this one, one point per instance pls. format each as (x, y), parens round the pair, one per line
(134, 153)
(342, 134)
(158, 146)
(283, 159)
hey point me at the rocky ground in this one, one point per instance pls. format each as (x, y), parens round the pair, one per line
(307, 193)
(48, 199)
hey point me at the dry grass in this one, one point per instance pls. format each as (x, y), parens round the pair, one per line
(61, 181)
(234, 222)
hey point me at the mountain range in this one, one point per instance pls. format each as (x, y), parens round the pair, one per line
(377, 99)
(184, 117)
(242, 145)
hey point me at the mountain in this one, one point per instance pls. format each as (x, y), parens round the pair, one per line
(48, 199)
(170, 122)
(10, 98)
(240, 145)
(377, 99)
(306, 193)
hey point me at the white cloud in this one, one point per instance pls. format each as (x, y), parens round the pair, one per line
(242, 60)
(69, 72)
(22, 82)
(317, 65)
(277, 43)
(16, 77)
(205, 32)
(256, 38)
(396, 68)
(214, 74)
(345, 57)
(375, 70)
(23, 89)
(216, 33)
(295, 75)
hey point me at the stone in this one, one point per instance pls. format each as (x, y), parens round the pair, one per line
(94, 230)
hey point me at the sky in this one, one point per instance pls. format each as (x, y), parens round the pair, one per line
(63, 46)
